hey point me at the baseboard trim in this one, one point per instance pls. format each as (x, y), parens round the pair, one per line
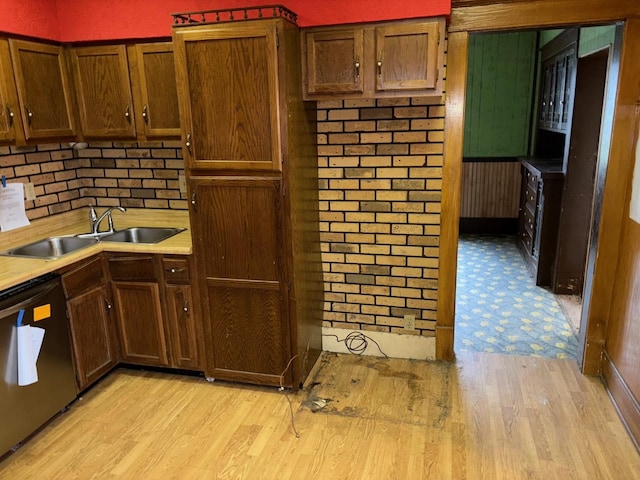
(623, 400)
(415, 347)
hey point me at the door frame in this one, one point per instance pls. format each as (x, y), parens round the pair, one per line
(468, 16)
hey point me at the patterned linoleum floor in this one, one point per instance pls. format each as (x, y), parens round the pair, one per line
(498, 307)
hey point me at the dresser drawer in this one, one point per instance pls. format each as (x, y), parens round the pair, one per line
(176, 270)
(132, 268)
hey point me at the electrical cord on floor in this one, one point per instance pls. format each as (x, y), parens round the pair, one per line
(286, 395)
(356, 342)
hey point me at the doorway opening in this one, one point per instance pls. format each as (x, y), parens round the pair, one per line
(532, 134)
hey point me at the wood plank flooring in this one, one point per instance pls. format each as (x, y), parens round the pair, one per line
(487, 416)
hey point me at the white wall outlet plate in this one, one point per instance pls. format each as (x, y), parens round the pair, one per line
(409, 322)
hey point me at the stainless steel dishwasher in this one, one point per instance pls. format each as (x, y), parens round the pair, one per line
(24, 408)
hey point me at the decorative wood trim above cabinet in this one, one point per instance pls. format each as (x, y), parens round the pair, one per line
(379, 60)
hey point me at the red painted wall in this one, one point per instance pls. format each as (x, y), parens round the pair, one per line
(77, 20)
(36, 18)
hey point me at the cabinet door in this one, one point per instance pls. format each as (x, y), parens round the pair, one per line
(92, 334)
(103, 91)
(240, 254)
(227, 80)
(334, 61)
(140, 320)
(43, 90)
(157, 96)
(407, 56)
(182, 327)
(10, 127)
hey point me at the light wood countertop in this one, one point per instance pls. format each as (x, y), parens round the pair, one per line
(15, 270)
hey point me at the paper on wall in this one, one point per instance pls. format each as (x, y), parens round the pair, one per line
(29, 344)
(12, 212)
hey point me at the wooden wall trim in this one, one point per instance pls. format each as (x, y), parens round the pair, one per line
(457, 48)
(623, 400)
(538, 13)
(603, 259)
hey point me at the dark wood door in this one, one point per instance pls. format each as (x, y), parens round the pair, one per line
(103, 91)
(10, 126)
(139, 313)
(181, 321)
(157, 95)
(93, 335)
(407, 56)
(227, 81)
(239, 249)
(334, 61)
(43, 90)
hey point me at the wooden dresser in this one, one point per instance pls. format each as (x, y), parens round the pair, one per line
(540, 201)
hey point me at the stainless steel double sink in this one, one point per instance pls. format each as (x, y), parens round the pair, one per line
(55, 247)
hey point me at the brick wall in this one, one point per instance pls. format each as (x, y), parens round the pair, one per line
(128, 174)
(380, 170)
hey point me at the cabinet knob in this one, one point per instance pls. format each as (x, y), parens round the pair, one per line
(357, 67)
(379, 67)
(144, 114)
(188, 142)
(107, 304)
(10, 115)
(127, 113)
(29, 115)
(185, 307)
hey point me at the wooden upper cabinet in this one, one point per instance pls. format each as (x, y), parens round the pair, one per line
(43, 90)
(153, 75)
(374, 60)
(334, 60)
(10, 126)
(227, 85)
(103, 91)
(407, 57)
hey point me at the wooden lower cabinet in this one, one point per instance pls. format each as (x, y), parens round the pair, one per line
(238, 223)
(92, 321)
(181, 315)
(156, 315)
(541, 196)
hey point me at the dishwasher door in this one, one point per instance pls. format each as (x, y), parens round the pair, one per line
(23, 409)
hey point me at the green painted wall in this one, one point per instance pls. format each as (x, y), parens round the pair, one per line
(499, 92)
(592, 39)
(547, 35)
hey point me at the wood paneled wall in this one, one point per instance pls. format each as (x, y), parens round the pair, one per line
(490, 190)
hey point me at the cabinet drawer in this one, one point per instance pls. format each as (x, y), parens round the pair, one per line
(176, 270)
(529, 221)
(532, 180)
(531, 197)
(527, 241)
(82, 278)
(132, 269)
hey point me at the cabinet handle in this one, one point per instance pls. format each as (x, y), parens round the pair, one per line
(144, 114)
(10, 115)
(107, 304)
(29, 115)
(379, 63)
(188, 142)
(193, 201)
(185, 308)
(127, 113)
(357, 67)
(175, 270)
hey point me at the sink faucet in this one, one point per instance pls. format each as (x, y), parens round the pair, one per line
(95, 220)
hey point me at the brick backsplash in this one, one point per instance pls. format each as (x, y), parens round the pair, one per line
(380, 171)
(129, 174)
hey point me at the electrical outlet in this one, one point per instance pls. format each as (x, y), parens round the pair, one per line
(409, 322)
(29, 191)
(182, 182)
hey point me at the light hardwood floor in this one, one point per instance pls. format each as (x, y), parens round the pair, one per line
(487, 416)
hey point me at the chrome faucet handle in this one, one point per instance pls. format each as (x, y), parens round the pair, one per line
(93, 216)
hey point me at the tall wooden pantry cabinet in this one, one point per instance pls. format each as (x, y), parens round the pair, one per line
(251, 160)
